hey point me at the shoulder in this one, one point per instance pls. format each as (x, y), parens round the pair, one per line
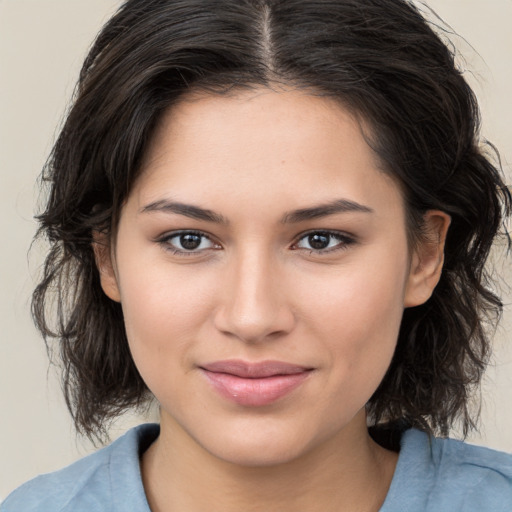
(481, 476)
(445, 474)
(88, 483)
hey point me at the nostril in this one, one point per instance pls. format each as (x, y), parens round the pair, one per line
(256, 326)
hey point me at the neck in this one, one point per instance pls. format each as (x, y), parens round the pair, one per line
(179, 475)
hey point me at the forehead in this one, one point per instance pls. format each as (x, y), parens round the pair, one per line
(264, 146)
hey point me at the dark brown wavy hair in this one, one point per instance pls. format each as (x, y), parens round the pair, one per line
(379, 58)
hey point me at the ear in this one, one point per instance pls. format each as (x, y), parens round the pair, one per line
(106, 265)
(427, 259)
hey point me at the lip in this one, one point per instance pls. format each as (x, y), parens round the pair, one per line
(254, 384)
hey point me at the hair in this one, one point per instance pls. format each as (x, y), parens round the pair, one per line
(380, 59)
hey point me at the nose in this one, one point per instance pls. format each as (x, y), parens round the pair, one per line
(254, 306)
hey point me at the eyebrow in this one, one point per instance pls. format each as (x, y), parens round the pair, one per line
(301, 215)
(323, 210)
(187, 210)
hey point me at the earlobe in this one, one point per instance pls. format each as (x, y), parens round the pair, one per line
(427, 259)
(106, 266)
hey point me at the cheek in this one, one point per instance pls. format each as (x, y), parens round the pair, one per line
(357, 315)
(361, 295)
(164, 315)
(164, 307)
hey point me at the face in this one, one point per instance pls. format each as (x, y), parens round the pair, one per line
(262, 265)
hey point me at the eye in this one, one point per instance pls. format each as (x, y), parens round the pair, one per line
(187, 242)
(323, 241)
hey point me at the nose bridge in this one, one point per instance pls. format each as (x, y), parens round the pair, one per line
(255, 305)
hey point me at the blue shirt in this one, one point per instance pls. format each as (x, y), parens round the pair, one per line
(432, 475)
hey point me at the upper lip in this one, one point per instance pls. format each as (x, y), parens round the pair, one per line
(254, 370)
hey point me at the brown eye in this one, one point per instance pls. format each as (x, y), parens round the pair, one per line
(324, 241)
(319, 241)
(188, 242)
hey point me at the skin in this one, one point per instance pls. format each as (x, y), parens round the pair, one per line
(256, 290)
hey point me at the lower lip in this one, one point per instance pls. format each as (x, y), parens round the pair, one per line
(255, 392)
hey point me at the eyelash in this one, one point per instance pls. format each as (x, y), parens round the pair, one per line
(165, 242)
(343, 239)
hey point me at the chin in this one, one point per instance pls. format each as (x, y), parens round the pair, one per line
(264, 444)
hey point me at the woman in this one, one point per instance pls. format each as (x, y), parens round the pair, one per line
(273, 217)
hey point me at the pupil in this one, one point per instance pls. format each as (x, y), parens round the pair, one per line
(190, 241)
(319, 241)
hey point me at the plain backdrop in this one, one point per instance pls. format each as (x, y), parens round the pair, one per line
(42, 45)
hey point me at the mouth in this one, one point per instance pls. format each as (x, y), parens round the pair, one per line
(254, 384)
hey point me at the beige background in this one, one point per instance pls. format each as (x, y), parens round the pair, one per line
(42, 43)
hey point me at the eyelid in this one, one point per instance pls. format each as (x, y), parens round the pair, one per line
(345, 240)
(164, 241)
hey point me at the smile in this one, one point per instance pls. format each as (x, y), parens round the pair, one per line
(254, 384)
